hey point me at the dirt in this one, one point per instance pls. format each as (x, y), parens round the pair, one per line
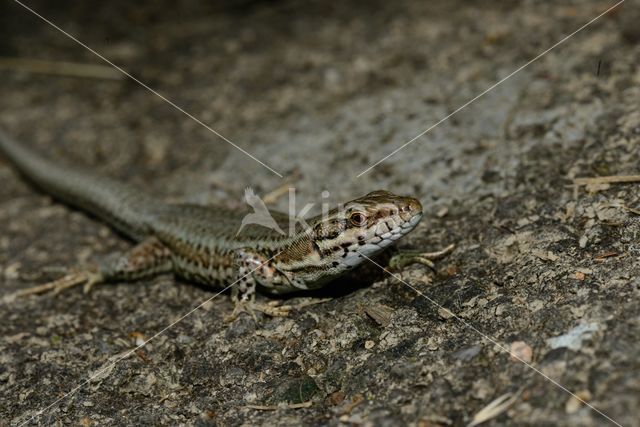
(319, 92)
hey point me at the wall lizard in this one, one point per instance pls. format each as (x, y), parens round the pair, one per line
(199, 243)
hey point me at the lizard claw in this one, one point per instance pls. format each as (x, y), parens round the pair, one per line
(92, 280)
(241, 306)
(86, 277)
(272, 308)
(401, 260)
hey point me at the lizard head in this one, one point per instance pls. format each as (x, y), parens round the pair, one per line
(367, 224)
(337, 242)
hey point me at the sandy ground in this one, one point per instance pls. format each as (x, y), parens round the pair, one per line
(319, 93)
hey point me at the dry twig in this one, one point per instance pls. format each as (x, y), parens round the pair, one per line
(607, 179)
(61, 68)
(282, 406)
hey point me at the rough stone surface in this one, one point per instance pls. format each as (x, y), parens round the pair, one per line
(319, 91)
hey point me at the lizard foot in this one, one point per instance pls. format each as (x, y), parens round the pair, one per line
(273, 309)
(401, 260)
(87, 278)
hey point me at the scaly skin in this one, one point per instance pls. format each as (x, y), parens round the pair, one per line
(199, 243)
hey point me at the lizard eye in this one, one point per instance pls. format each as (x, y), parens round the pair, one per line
(358, 219)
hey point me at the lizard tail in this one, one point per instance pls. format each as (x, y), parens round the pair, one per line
(118, 204)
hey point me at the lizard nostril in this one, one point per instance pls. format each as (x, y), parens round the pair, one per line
(414, 206)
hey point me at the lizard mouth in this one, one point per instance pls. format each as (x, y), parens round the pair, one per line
(394, 219)
(382, 235)
(388, 231)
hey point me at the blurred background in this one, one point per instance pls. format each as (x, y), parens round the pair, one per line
(341, 83)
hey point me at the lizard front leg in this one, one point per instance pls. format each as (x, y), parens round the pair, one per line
(253, 268)
(147, 259)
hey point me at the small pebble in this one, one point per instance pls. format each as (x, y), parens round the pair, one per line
(521, 352)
